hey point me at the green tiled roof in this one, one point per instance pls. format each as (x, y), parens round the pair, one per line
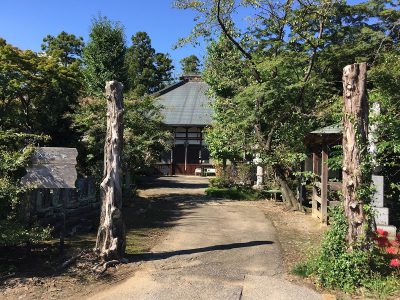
(186, 103)
(333, 129)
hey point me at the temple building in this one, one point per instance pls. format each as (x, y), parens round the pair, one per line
(187, 111)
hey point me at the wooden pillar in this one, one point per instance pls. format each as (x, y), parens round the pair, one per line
(315, 162)
(186, 148)
(314, 203)
(172, 159)
(355, 143)
(324, 186)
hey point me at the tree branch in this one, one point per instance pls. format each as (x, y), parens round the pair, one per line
(246, 54)
(311, 62)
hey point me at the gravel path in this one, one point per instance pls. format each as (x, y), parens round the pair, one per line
(217, 250)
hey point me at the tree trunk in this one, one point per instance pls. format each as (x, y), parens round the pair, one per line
(110, 242)
(355, 131)
(287, 192)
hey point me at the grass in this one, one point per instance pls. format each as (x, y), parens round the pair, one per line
(233, 193)
(142, 233)
(140, 229)
(382, 287)
(302, 270)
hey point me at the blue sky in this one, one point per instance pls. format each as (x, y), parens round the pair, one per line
(24, 23)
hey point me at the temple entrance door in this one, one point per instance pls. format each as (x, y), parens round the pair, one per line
(186, 159)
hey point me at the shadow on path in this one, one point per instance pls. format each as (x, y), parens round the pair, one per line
(164, 255)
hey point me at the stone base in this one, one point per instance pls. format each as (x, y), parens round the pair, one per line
(381, 215)
(390, 229)
(258, 187)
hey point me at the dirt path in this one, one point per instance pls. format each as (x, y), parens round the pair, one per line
(216, 250)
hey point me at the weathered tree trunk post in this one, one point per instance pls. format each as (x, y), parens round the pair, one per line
(355, 151)
(110, 242)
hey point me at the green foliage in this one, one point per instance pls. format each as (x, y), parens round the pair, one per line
(190, 64)
(35, 92)
(145, 136)
(234, 193)
(67, 47)
(221, 182)
(104, 55)
(335, 160)
(382, 287)
(385, 76)
(283, 72)
(14, 233)
(336, 267)
(305, 269)
(148, 71)
(15, 229)
(227, 74)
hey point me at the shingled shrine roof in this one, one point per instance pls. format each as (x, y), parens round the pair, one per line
(327, 135)
(333, 129)
(186, 103)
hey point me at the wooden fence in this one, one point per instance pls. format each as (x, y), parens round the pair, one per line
(321, 188)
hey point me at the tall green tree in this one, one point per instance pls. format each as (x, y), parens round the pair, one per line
(190, 64)
(164, 68)
(294, 53)
(148, 71)
(104, 55)
(227, 74)
(35, 92)
(67, 47)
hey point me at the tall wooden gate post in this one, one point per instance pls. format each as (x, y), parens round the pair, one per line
(314, 189)
(324, 186)
(322, 212)
(355, 131)
(111, 234)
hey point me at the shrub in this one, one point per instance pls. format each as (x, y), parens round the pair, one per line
(14, 227)
(334, 266)
(221, 182)
(233, 193)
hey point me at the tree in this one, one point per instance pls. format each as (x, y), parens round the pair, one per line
(227, 75)
(104, 55)
(294, 52)
(190, 64)
(148, 71)
(145, 136)
(67, 47)
(356, 167)
(384, 75)
(164, 68)
(111, 236)
(35, 93)
(140, 60)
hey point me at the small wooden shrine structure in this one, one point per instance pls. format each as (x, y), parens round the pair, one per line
(319, 144)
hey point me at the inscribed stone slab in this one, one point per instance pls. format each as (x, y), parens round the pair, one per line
(52, 167)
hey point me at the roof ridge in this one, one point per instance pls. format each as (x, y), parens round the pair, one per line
(169, 88)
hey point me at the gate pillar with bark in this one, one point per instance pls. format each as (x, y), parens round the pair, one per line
(110, 242)
(356, 176)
